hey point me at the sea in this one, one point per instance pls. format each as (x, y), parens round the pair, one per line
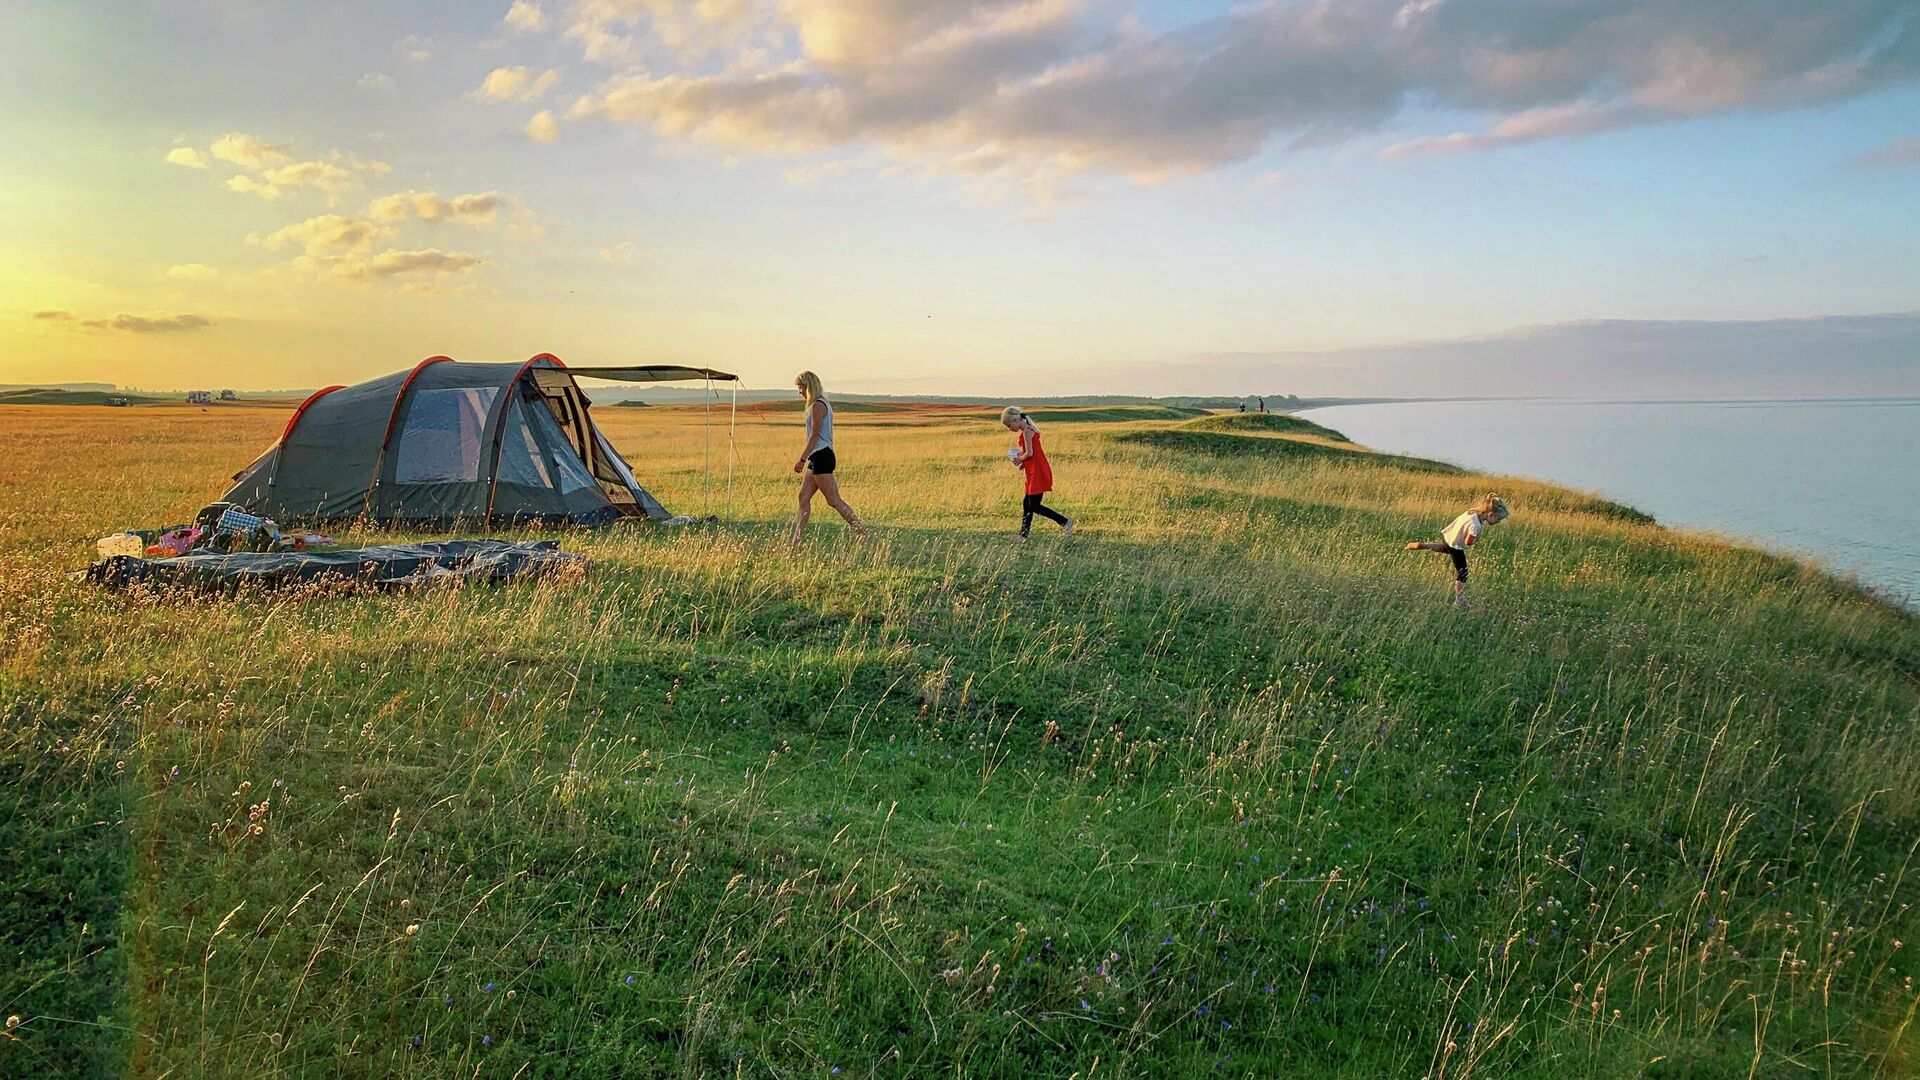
(1835, 482)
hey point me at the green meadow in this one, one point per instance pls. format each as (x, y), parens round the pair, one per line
(1221, 785)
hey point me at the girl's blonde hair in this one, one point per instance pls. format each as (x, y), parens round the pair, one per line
(1493, 508)
(1011, 413)
(809, 384)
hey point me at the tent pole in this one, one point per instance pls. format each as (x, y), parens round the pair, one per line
(733, 421)
(706, 491)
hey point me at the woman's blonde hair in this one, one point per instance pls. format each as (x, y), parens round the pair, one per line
(1493, 508)
(809, 384)
(1011, 413)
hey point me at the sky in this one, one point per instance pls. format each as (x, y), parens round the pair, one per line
(1028, 197)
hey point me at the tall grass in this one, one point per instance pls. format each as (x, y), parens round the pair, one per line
(1220, 784)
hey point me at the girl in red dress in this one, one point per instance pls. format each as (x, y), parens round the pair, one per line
(1030, 458)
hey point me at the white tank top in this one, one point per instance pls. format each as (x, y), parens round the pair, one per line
(823, 438)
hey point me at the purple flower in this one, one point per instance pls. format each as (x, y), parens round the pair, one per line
(487, 988)
(486, 1040)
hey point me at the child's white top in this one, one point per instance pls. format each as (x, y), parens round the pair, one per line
(1457, 531)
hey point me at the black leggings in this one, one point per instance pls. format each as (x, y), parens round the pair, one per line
(1030, 506)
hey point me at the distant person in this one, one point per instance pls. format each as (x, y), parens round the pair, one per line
(1243, 406)
(817, 462)
(1031, 458)
(1263, 405)
(1462, 533)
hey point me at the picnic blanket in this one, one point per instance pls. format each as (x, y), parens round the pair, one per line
(386, 566)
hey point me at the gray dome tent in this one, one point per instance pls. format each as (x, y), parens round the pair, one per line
(449, 444)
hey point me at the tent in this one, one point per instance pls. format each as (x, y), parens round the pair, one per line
(449, 444)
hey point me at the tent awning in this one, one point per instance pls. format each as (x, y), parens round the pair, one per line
(652, 373)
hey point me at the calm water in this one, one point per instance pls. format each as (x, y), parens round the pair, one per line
(1835, 481)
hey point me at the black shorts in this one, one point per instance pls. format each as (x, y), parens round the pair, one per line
(820, 462)
(1459, 557)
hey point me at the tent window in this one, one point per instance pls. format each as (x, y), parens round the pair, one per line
(622, 476)
(441, 441)
(573, 472)
(521, 459)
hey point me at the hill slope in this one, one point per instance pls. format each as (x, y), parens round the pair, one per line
(1219, 785)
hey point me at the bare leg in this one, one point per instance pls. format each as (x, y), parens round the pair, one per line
(807, 487)
(830, 487)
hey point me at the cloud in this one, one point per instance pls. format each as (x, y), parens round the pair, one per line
(619, 253)
(1857, 355)
(1035, 89)
(525, 16)
(141, 324)
(327, 234)
(1892, 156)
(611, 32)
(375, 80)
(331, 177)
(543, 128)
(192, 271)
(1534, 125)
(53, 316)
(479, 210)
(186, 157)
(416, 48)
(428, 263)
(515, 84)
(249, 152)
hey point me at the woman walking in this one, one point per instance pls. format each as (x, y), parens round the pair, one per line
(1030, 458)
(816, 462)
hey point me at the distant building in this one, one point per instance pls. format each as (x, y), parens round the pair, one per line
(199, 397)
(116, 399)
(228, 395)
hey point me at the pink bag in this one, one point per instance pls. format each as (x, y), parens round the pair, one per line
(176, 542)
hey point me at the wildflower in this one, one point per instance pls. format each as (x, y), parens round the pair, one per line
(486, 1040)
(487, 988)
(629, 980)
(12, 1022)
(412, 929)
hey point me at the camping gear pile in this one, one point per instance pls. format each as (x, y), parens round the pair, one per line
(220, 526)
(389, 566)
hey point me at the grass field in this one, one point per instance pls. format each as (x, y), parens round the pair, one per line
(1220, 786)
